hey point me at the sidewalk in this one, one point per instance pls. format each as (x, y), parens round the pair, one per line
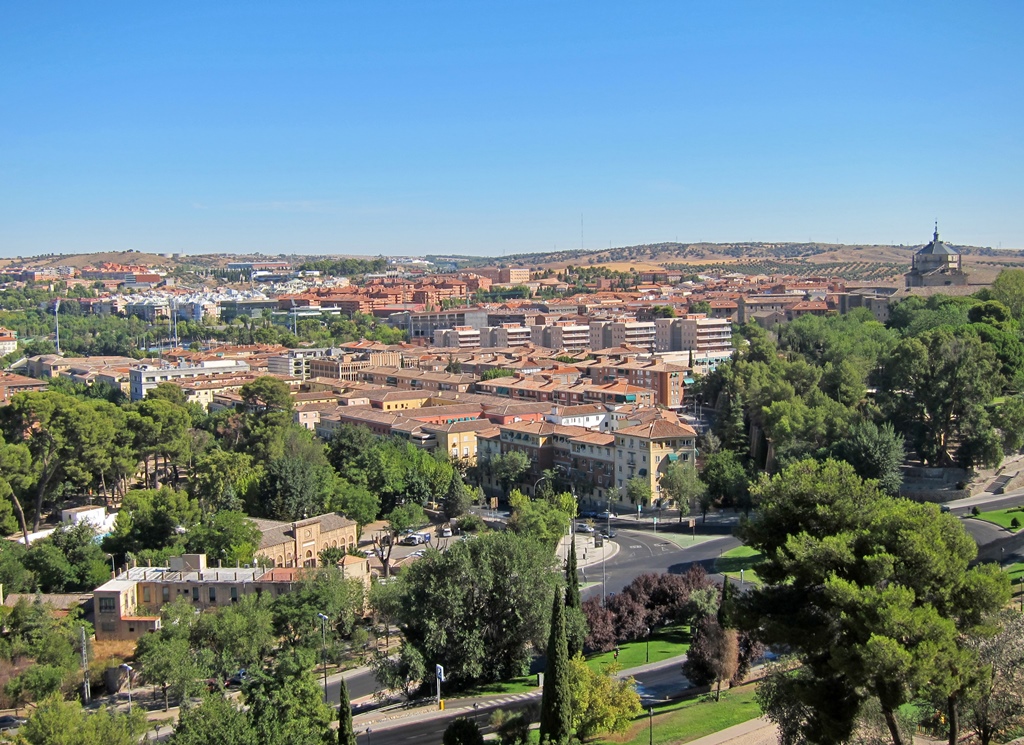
(586, 554)
(754, 732)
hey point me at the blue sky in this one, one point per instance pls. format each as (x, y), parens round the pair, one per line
(490, 128)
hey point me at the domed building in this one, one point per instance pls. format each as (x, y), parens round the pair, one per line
(936, 265)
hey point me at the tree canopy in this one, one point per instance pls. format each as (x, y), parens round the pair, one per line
(870, 591)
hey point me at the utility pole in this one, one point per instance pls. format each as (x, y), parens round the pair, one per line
(323, 624)
(86, 691)
(56, 321)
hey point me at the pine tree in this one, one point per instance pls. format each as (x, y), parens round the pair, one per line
(346, 732)
(555, 707)
(572, 580)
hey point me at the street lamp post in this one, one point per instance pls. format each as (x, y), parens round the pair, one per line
(323, 627)
(648, 629)
(368, 731)
(129, 669)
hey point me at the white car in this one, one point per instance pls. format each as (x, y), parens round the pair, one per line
(446, 531)
(584, 528)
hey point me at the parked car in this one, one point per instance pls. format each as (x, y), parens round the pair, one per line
(446, 531)
(415, 539)
(606, 515)
(9, 722)
(584, 528)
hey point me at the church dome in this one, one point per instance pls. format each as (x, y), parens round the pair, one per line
(937, 247)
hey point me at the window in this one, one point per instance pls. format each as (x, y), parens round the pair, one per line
(234, 594)
(108, 605)
(108, 626)
(195, 594)
(145, 594)
(166, 594)
(213, 594)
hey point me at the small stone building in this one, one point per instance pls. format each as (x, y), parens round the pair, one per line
(298, 544)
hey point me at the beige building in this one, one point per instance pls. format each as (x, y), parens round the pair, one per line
(646, 450)
(128, 606)
(459, 439)
(298, 544)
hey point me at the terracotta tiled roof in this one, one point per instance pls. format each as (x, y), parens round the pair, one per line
(659, 430)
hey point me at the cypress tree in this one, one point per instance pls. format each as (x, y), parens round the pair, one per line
(727, 605)
(572, 580)
(555, 707)
(346, 732)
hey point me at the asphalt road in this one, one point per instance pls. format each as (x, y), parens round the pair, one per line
(653, 684)
(642, 550)
(360, 684)
(996, 502)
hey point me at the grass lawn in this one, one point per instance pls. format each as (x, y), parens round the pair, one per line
(670, 641)
(684, 721)
(524, 684)
(1016, 574)
(732, 561)
(1003, 518)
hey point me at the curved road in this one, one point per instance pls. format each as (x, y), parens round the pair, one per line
(641, 550)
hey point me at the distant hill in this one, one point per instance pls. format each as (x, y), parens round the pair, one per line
(870, 263)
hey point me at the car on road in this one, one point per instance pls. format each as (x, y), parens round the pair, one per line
(415, 539)
(417, 554)
(9, 722)
(609, 534)
(606, 515)
(584, 528)
(446, 531)
(588, 514)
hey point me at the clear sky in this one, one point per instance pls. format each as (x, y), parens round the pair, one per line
(491, 127)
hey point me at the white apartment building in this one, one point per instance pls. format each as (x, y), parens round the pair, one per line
(296, 363)
(694, 332)
(568, 335)
(506, 335)
(463, 337)
(144, 378)
(8, 342)
(608, 334)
